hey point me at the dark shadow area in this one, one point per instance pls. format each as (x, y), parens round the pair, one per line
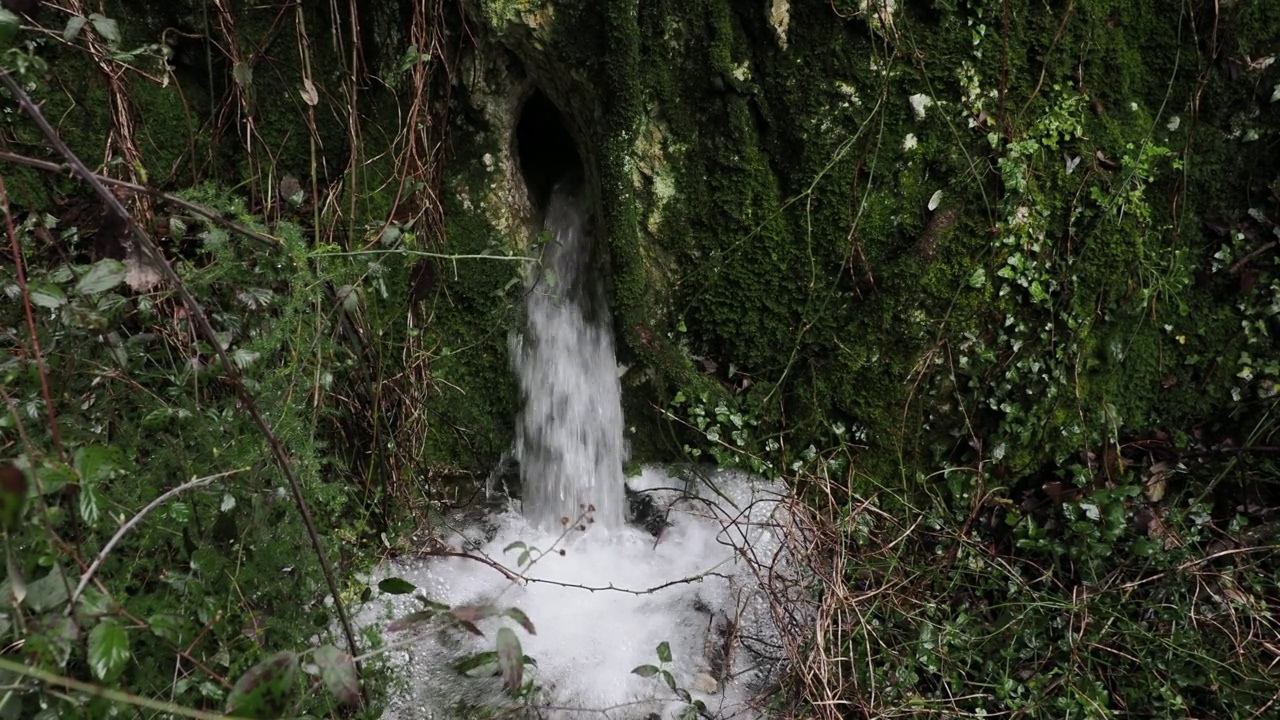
(545, 148)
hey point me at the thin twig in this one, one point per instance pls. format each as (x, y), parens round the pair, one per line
(200, 210)
(160, 706)
(1198, 561)
(157, 260)
(31, 321)
(133, 521)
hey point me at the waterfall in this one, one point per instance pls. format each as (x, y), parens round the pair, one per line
(569, 433)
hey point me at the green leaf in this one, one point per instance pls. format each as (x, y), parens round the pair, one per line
(338, 671)
(664, 652)
(9, 24)
(73, 27)
(396, 586)
(266, 689)
(108, 650)
(55, 638)
(519, 616)
(96, 462)
(473, 613)
(10, 703)
(669, 679)
(53, 478)
(88, 502)
(168, 627)
(645, 670)
(510, 659)
(411, 620)
(483, 664)
(106, 27)
(103, 276)
(513, 546)
(243, 357)
(49, 592)
(92, 605)
(46, 296)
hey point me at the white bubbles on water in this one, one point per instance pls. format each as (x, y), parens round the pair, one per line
(603, 606)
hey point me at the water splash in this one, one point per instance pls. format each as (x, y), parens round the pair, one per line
(569, 435)
(603, 606)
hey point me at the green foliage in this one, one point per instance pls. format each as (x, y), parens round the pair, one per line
(506, 660)
(692, 708)
(139, 402)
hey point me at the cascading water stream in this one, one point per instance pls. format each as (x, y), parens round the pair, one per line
(569, 436)
(603, 602)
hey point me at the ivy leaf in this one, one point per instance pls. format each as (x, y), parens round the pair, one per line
(669, 679)
(338, 671)
(396, 586)
(519, 616)
(664, 651)
(265, 690)
(108, 650)
(103, 276)
(645, 671)
(510, 658)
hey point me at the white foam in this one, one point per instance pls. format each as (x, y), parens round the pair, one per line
(602, 607)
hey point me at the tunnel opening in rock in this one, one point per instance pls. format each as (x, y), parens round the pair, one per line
(546, 149)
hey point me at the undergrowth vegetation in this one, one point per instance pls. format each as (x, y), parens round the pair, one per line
(210, 421)
(1003, 335)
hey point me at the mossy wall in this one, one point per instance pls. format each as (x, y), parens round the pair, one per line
(919, 223)
(914, 223)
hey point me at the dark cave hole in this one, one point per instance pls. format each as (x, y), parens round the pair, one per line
(545, 148)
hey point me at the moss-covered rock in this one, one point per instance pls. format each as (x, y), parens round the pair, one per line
(870, 216)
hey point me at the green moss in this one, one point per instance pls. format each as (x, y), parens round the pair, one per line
(472, 402)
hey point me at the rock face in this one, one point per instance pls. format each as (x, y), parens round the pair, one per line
(913, 225)
(901, 224)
